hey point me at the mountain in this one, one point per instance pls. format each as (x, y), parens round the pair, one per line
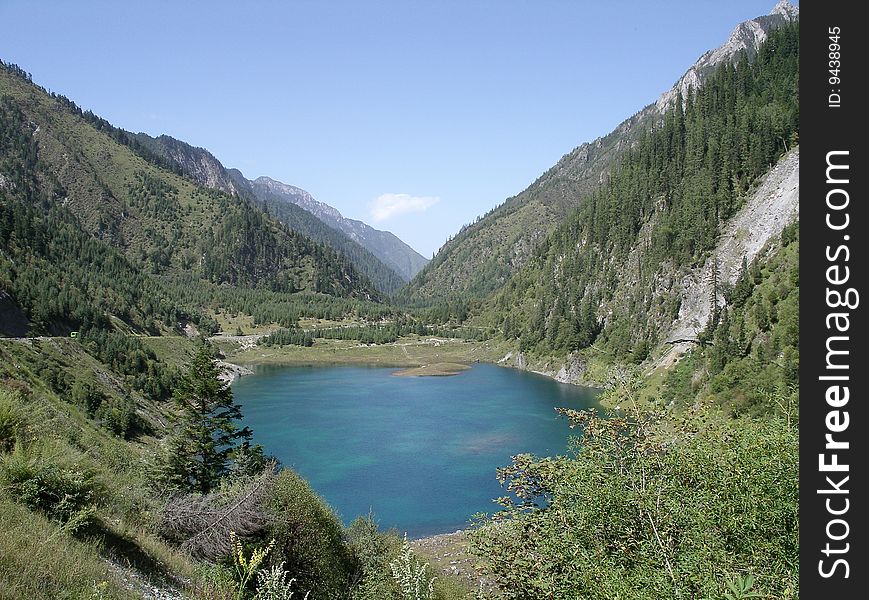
(93, 222)
(483, 256)
(400, 257)
(197, 163)
(292, 206)
(746, 37)
(680, 232)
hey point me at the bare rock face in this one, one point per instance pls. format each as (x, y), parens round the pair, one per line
(297, 196)
(772, 206)
(197, 163)
(229, 372)
(786, 9)
(572, 370)
(204, 168)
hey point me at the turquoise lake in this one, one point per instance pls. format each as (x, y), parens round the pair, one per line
(418, 452)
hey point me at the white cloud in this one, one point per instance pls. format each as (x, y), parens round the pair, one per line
(387, 206)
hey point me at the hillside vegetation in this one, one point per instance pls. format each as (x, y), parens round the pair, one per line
(206, 170)
(609, 274)
(162, 221)
(689, 488)
(481, 257)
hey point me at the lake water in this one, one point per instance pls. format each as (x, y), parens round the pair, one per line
(420, 452)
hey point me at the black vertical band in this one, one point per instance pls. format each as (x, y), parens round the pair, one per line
(834, 436)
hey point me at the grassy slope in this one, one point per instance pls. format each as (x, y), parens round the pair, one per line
(38, 557)
(37, 560)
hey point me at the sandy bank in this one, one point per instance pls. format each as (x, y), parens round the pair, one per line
(444, 369)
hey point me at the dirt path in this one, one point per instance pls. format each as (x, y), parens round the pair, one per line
(137, 583)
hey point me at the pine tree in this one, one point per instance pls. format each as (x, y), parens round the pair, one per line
(208, 435)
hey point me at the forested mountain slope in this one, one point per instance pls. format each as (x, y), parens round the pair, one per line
(80, 206)
(483, 255)
(384, 275)
(122, 475)
(619, 270)
(387, 247)
(206, 170)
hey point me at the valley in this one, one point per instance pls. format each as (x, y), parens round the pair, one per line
(226, 389)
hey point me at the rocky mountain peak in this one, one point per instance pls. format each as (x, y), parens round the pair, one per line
(786, 9)
(198, 163)
(747, 36)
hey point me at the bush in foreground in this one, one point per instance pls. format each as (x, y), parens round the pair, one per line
(646, 510)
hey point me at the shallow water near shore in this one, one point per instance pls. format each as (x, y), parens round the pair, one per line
(418, 452)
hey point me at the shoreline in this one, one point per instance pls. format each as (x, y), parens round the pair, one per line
(229, 372)
(410, 356)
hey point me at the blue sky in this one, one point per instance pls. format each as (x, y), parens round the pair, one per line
(412, 116)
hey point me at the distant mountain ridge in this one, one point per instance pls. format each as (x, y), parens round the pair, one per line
(482, 257)
(198, 163)
(364, 245)
(406, 261)
(297, 196)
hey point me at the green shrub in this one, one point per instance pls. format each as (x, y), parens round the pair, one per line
(372, 551)
(118, 415)
(308, 537)
(87, 396)
(639, 513)
(411, 575)
(43, 477)
(276, 584)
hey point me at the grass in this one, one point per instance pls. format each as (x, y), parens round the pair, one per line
(38, 560)
(176, 350)
(410, 351)
(27, 361)
(231, 322)
(450, 558)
